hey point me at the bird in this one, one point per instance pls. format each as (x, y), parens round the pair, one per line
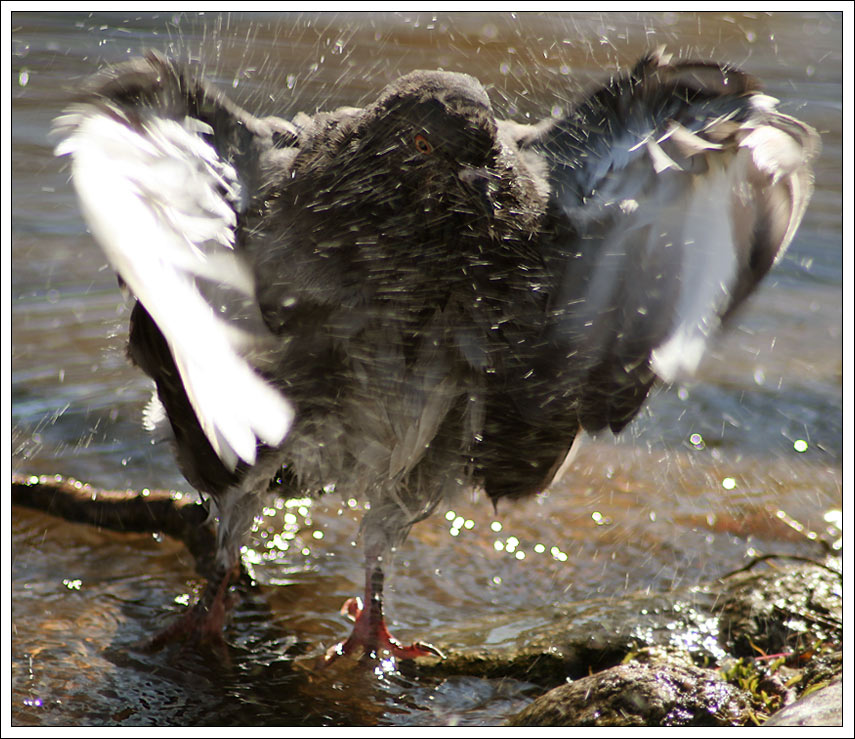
(407, 299)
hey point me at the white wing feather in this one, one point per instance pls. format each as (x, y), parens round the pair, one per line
(161, 205)
(710, 249)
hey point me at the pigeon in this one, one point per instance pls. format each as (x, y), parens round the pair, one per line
(407, 299)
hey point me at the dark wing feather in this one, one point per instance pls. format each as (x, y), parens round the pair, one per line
(673, 191)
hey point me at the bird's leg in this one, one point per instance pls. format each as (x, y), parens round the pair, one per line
(370, 635)
(204, 622)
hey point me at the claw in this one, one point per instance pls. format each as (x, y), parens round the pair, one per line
(371, 637)
(352, 608)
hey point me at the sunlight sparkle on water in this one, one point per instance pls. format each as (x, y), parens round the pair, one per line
(835, 518)
(558, 554)
(835, 528)
(599, 519)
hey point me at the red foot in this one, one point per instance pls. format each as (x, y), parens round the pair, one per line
(201, 624)
(371, 637)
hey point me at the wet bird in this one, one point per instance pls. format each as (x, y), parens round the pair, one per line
(405, 299)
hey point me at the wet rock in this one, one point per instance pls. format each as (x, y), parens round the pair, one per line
(823, 707)
(782, 611)
(634, 694)
(795, 611)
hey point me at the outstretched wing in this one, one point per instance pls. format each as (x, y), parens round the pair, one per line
(673, 191)
(165, 168)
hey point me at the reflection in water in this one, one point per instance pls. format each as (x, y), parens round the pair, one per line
(692, 490)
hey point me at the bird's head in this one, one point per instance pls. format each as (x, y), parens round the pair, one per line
(433, 130)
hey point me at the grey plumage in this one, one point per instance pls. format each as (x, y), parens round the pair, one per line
(414, 296)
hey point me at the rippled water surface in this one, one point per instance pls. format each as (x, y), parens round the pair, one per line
(689, 493)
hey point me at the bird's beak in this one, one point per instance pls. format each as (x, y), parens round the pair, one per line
(485, 182)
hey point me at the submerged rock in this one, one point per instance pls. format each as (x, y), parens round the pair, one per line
(679, 652)
(573, 640)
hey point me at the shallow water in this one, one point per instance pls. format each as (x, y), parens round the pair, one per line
(656, 509)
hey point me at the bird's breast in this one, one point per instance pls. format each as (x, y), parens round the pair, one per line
(397, 403)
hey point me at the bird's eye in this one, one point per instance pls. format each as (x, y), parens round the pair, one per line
(422, 144)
